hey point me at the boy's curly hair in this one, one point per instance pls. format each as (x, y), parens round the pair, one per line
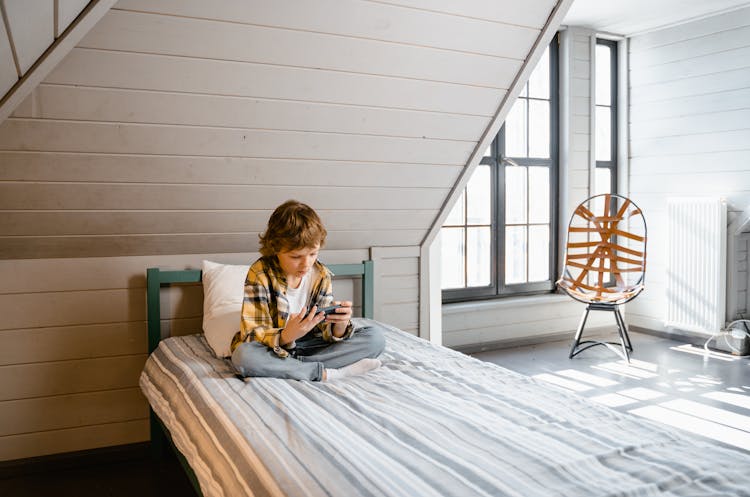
(293, 225)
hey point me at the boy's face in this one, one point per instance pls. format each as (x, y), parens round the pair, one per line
(298, 262)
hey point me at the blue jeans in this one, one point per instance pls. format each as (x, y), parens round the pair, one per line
(310, 357)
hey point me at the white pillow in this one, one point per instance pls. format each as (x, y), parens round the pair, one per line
(223, 291)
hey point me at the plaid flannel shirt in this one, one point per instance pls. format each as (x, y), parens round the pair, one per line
(265, 307)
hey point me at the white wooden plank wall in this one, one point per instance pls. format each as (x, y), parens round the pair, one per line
(690, 104)
(397, 286)
(217, 112)
(487, 324)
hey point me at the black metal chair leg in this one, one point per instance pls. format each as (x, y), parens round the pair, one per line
(621, 322)
(622, 331)
(579, 332)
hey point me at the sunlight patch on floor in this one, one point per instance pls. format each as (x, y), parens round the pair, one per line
(587, 378)
(710, 413)
(735, 399)
(709, 429)
(624, 369)
(613, 400)
(640, 393)
(562, 382)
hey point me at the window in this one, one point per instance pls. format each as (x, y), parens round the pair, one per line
(606, 116)
(499, 239)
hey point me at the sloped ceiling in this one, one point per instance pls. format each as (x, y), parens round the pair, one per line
(34, 36)
(633, 17)
(176, 126)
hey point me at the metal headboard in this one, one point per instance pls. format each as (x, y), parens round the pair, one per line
(156, 278)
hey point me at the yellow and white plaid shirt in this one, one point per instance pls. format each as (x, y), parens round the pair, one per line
(265, 307)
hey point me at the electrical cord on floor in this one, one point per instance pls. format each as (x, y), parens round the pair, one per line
(731, 331)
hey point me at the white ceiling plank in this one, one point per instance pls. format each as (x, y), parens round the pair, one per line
(218, 40)
(367, 20)
(31, 29)
(150, 107)
(67, 11)
(631, 17)
(532, 13)
(8, 72)
(180, 74)
(63, 45)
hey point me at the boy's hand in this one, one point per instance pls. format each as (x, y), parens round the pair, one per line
(297, 325)
(340, 317)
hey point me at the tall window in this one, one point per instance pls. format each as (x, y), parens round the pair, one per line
(606, 116)
(499, 237)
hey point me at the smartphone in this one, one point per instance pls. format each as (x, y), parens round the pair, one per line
(328, 310)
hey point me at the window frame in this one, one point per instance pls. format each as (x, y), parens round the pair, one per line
(610, 164)
(497, 163)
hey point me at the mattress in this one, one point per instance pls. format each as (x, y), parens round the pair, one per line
(429, 422)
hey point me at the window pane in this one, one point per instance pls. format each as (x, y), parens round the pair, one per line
(515, 130)
(539, 80)
(457, 213)
(603, 180)
(524, 91)
(479, 194)
(452, 257)
(539, 253)
(539, 129)
(538, 195)
(603, 134)
(515, 254)
(515, 194)
(603, 75)
(478, 256)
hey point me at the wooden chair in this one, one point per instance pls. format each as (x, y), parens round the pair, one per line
(605, 263)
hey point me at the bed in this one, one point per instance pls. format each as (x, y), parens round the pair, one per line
(429, 422)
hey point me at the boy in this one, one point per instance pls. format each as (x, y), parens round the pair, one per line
(281, 333)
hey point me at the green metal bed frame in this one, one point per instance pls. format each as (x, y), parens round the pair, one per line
(157, 278)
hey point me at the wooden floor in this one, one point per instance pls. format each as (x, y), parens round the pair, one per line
(116, 472)
(667, 381)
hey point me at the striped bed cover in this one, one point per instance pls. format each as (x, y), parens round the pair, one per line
(430, 422)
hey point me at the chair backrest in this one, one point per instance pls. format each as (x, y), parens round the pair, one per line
(605, 254)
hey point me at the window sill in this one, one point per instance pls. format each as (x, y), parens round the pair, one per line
(505, 303)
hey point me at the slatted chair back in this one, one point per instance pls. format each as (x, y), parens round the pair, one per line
(605, 256)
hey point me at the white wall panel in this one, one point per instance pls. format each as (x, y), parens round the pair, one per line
(178, 74)
(153, 107)
(371, 20)
(196, 38)
(37, 135)
(78, 167)
(689, 114)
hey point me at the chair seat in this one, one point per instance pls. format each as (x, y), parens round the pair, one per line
(612, 295)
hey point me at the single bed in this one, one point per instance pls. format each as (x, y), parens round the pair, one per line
(429, 422)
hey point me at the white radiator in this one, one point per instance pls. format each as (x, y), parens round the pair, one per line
(696, 264)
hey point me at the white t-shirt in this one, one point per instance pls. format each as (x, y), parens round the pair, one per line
(297, 297)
